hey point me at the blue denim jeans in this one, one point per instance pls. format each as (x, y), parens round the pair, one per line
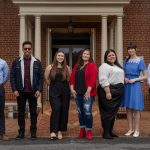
(85, 111)
(2, 116)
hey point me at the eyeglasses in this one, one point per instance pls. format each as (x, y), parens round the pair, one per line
(27, 49)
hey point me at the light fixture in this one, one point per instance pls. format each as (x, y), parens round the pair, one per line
(70, 26)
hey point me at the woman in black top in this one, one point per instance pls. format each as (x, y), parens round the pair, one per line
(57, 76)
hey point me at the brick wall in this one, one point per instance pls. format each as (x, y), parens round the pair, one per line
(136, 28)
(9, 33)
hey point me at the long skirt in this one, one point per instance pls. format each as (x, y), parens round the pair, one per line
(109, 108)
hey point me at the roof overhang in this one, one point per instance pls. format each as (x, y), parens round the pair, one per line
(71, 7)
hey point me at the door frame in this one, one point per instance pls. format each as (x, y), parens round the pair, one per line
(49, 46)
(49, 43)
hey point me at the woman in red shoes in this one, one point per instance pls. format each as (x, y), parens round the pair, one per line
(83, 89)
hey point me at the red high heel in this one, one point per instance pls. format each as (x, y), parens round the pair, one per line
(89, 135)
(82, 133)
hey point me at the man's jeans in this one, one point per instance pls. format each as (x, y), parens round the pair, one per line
(2, 106)
(85, 111)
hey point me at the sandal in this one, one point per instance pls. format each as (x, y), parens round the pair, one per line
(53, 136)
(59, 135)
(130, 132)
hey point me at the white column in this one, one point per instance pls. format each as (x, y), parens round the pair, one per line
(22, 33)
(103, 37)
(37, 47)
(30, 33)
(93, 44)
(119, 39)
(111, 36)
(116, 36)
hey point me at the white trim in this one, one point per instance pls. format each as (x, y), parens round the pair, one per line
(31, 69)
(71, 10)
(93, 43)
(37, 46)
(71, 7)
(22, 33)
(71, 2)
(104, 37)
(22, 69)
(120, 39)
(48, 54)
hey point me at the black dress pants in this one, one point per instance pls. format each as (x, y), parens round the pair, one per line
(59, 101)
(21, 101)
(2, 115)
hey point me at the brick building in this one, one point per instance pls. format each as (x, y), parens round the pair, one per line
(71, 25)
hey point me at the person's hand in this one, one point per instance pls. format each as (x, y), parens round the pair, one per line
(132, 80)
(126, 80)
(87, 95)
(37, 93)
(16, 93)
(108, 96)
(48, 82)
(73, 93)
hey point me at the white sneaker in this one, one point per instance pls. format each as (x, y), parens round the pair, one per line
(136, 134)
(130, 132)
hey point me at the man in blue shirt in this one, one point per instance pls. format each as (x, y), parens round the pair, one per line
(4, 71)
(148, 74)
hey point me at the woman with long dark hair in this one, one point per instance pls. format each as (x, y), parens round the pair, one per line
(83, 89)
(133, 97)
(57, 76)
(110, 91)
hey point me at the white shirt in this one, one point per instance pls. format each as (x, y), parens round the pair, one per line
(110, 75)
(148, 73)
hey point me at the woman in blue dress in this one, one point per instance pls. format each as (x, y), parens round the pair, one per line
(133, 97)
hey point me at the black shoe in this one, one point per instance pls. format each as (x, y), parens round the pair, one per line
(33, 137)
(114, 135)
(107, 136)
(19, 137)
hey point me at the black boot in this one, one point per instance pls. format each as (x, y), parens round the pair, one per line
(20, 135)
(106, 126)
(33, 135)
(111, 129)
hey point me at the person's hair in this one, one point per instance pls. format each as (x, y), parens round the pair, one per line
(65, 71)
(26, 42)
(80, 61)
(116, 61)
(130, 46)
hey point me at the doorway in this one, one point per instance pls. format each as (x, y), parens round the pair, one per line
(71, 44)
